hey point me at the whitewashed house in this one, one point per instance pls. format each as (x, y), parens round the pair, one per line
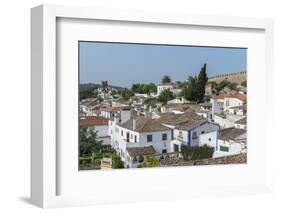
(137, 155)
(224, 102)
(89, 107)
(205, 110)
(188, 128)
(165, 86)
(109, 112)
(98, 124)
(177, 108)
(140, 132)
(241, 124)
(227, 121)
(231, 141)
(238, 110)
(178, 100)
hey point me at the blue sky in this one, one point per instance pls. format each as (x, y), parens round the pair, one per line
(124, 64)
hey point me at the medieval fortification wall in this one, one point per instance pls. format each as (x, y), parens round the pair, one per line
(236, 77)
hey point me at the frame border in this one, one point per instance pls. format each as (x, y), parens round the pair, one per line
(43, 88)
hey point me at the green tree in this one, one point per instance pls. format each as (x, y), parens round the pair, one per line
(166, 79)
(104, 85)
(127, 94)
(202, 80)
(114, 92)
(232, 86)
(150, 102)
(88, 142)
(151, 162)
(217, 87)
(89, 93)
(165, 96)
(135, 88)
(244, 83)
(190, 92)
(149, 88)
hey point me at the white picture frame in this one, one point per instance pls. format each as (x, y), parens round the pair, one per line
(44, 150)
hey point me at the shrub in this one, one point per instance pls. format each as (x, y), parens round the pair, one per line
(196, 153)
(151, 162)
(117, 163)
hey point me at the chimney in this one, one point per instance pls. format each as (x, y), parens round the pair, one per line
(134, 124)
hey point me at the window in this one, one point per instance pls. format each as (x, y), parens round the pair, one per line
(194, 135)
(227, 103)
(172, 135)
(135, 138)
(180, 134)
(203, 132)
(131, 136)
(149, 138)
(224, 148)
(164, 137)
(121, 132)
(164, 151)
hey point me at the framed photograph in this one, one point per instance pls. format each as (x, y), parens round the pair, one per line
(131, 106)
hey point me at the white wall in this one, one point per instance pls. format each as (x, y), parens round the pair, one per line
(231, 103)
(234, 148)
(223, 122)
(209, 139)
(217, 106)
(205, 128)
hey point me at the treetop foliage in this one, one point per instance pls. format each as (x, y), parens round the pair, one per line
(165, 96)
(194, 89)
(166, 79)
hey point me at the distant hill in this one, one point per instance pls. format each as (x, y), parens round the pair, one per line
(84, 87)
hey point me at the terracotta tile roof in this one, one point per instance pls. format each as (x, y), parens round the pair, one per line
(231, 133)
(166, 117)
(191, 124)
(143, 124)
(185, 121)
(167, 84)
(236, 95)
(178, 106)
(93, 121)
(111, 109)
(140, 151)
(186, 117)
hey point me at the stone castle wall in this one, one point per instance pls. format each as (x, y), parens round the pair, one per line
(237, 77)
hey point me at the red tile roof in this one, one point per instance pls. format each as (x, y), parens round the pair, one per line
(93, 121)
(111, 109)
(236, 95)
